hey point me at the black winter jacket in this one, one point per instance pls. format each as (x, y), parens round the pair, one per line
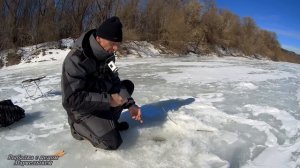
(86, 81)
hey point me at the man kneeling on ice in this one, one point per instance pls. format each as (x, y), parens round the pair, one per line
(92, 93)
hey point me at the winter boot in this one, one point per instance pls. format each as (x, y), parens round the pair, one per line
(75, 134)
(122, 126)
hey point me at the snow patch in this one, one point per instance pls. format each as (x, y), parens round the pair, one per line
(203, 72)
(246, 85)
(278, 157)
(298, 95)
(289, 123)
(68, 42)
(141, 49)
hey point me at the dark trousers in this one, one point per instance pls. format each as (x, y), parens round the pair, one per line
(101, 131)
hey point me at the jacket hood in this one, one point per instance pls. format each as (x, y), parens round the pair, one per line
(88, 44)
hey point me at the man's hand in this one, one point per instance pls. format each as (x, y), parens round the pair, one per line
(136, 113)
(117, 100)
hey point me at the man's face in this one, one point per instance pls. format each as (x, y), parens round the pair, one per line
(107, 45)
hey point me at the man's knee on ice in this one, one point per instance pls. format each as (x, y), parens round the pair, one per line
(110, 141)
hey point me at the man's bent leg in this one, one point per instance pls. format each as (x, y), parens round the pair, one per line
(73, 132)
(116, 112)
(102, 133)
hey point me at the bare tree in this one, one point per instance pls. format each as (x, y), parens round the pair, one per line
(231, 30)
(104, 10)
(129, 13)
(11, 27)
(250, 35)
(212, 24)
(47, 27)
(79, 12)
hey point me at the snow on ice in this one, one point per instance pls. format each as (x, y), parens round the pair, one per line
(197, 112)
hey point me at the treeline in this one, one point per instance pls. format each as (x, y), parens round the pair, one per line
(27, 22)
(181, 25)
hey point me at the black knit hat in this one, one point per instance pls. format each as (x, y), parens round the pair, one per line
(111, 29)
